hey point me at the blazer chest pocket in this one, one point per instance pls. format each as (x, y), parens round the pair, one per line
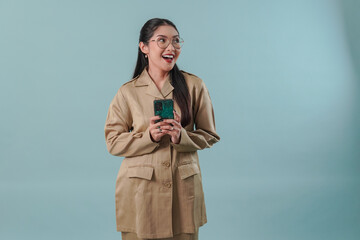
(190, 179)
(141, 177)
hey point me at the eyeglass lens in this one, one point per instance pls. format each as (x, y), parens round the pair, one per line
(164, 42)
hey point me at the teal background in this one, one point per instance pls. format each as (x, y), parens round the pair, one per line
(283, 76)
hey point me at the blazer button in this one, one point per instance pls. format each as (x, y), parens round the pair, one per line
(168, 184)
(166, 164)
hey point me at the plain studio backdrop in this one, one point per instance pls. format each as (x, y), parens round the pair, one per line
(283, 76)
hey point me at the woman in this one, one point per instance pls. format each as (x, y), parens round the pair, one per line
(158, 188)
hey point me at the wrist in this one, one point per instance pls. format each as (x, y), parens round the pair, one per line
(152, 139)
(178, 140)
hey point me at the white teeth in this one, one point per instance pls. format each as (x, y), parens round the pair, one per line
(168, 56)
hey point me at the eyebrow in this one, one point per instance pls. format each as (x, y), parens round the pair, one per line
(166, 36)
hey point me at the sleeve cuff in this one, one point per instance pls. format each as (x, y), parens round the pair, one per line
(148, 140)
(185, 144)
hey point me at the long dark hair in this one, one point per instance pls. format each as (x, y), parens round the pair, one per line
(181, 92)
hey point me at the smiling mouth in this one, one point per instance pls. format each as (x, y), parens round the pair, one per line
(168, 58)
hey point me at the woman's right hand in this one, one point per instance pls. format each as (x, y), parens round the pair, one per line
(155, 129)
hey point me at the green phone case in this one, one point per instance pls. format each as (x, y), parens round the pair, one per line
(164, 108)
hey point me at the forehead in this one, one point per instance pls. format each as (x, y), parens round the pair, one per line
(166, 30)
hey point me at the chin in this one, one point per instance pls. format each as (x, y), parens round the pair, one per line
(168, 69)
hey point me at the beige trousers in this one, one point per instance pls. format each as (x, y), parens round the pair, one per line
(181, 236)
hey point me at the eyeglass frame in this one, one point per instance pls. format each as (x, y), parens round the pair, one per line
(172, 42)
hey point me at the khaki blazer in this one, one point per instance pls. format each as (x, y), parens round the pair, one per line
(159, 187)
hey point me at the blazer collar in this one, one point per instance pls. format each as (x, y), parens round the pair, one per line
(145, 80)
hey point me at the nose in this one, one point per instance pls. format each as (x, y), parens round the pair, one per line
(170, 47)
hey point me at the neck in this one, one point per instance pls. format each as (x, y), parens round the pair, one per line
(158, 76)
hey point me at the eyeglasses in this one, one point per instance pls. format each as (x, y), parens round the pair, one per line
(163, 42)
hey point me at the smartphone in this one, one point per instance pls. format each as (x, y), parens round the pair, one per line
(164, 108)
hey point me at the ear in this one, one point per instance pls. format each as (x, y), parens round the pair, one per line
(144, 48)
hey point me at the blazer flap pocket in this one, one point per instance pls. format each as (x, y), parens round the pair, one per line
(140, 172)
(188, 170)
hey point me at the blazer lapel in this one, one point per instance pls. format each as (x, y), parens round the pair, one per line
(145, 80)
(167, 88)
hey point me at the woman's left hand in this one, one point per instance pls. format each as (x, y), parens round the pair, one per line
(174, 128)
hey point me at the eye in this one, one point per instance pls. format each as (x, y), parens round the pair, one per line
(162, 40)
(176, 40)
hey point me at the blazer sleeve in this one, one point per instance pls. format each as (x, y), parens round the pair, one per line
(204, 135)
(120, 140)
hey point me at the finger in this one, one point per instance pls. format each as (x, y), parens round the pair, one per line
(156, 129)
(176, 130)
(173, 131)
(177, 116)
(155, 125)
(158, 135)
(160, 124)
(173, 122)
(171, 128)
(161, 130)
(170, 133)
(177, 124)
(157, 138)
(174, 127)
(154, 118)
(167, 127)
(170, 121)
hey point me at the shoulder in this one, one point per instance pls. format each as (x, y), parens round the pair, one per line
(190, 75)
(195, 83)
(129, 84)
(127, 87)
(123, 93)
(192, 80)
